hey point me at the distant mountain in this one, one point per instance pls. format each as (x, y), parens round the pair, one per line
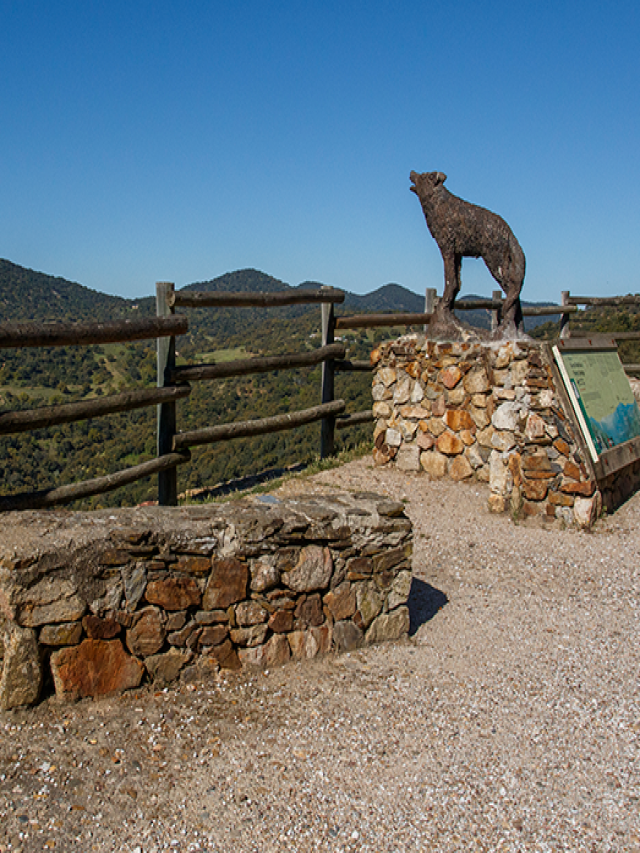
(29, 295)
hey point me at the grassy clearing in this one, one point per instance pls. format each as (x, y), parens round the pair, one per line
(221, 356)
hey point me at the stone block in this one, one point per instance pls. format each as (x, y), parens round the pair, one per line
(250, 613)
(94, 668)
(227, 584)
(449, 444)
(408, 458)
(147, 634)
(21, 677)
(165, 668)
(312, 571)
(100, 629)
(346, 636)
(587, 510)
(460, 469)
(341, 602)
(434, 463)
(66, 634)
(388, 626)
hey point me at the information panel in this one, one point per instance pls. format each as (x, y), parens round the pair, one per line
(601, 396)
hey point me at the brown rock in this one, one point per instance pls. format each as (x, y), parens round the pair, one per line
(213, 635)
(94, 668)
(425, 441)
(100, 629)
(585, 489)
(173, 593)
(193, 565)
(438, 407)
(312, 571)
(535, 490)
(250, 613)
(253, 636)
(309, 612)
(450, 376)
(21, 671)
(147, 634)
(281, 622)
(67, 610)
(165, 668)
(341, 601)
(562, 447)
(360, 565)
(558, 499)
(346, 636)
(388, 626)
(476, 382)
(434, 463)
(571, 470)
(225, 656)
(460, 468)
(67, 634)
(497, 503)
(459, 419)
(184, 636)
(309, 644)
(536, 462)
(227, 584)
(449, 444)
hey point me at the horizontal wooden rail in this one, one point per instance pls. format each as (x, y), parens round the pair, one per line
(357, 418)
(77, 334)
(347, 366)
(88, 488)
(548, 310)
(263, 426)
(622, 336)
(231, 299)
(629, 299)
(46, 416)
(372, 321)
(631, 368)
(244, 366)
(527, 310)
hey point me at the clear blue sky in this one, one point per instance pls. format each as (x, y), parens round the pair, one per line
(146, 141)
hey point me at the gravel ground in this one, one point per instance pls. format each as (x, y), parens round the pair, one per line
(509, 721)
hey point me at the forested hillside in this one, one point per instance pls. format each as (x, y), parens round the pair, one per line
(36, 377)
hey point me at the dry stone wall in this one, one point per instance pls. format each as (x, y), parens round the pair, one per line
(94, 603)
(485, 412)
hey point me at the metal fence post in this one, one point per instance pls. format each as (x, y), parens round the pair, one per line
(167, 480)
(565, 331)
(327, 429)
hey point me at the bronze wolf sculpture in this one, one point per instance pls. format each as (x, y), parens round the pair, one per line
(464, 230)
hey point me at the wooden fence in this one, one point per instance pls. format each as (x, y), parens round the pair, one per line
(173, 446)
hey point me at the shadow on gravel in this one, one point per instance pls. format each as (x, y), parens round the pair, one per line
(424, 602)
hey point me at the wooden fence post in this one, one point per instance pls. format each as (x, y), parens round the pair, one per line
(327, 429)
(430, 300)
(565, 331)
(167, 480)
(496, 313)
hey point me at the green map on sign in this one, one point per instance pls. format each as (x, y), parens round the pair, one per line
(604, 395)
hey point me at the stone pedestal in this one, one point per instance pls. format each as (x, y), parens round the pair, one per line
(487, 412)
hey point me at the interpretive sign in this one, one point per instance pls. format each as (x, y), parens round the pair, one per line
(600, 394)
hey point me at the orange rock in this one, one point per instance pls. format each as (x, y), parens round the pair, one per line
(173, 593)
(458, 419)
(449, 444)
(227, 584)
(94, 668)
